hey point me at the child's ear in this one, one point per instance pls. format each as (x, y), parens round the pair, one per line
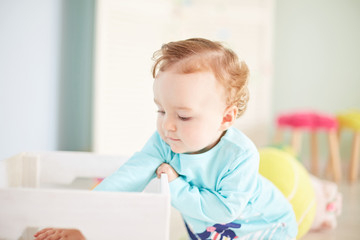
(229, 117)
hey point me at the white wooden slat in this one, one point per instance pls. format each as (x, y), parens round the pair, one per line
(99, 215)
(65, 167)
(36, 169)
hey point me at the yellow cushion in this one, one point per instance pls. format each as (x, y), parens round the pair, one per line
(349, 119)
(292, 179)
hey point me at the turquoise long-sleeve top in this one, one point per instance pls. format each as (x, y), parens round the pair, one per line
(219, 192)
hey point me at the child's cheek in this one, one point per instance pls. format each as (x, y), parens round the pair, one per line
(193, 133)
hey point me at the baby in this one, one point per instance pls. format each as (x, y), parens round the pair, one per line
(200, 89)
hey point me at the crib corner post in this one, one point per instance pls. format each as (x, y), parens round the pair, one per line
(31, 170)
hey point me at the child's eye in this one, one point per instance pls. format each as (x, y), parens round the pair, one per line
(184, 118)
(161, 112)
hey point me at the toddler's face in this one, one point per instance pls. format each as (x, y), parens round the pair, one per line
(190, 110)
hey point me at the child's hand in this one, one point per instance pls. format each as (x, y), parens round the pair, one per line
(59, 233)
(166, 168)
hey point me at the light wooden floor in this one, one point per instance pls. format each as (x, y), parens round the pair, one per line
(349, 221)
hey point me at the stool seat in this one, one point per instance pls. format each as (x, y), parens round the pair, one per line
(312, 121)
(351, 120)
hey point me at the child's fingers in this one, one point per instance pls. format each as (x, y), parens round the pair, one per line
(41, 231)
(43, 234)
(159, 171)
(163, 168)
(46, 234)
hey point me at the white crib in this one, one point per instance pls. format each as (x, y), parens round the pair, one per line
(37, 191)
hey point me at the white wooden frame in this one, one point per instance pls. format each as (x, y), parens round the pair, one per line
(25, 204)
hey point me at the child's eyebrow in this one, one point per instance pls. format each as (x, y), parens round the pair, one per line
(183, 108)
(178, 108)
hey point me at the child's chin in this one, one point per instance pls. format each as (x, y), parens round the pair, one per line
(177, 150)
(183, 151)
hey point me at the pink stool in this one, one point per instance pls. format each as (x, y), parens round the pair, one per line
(313, 122)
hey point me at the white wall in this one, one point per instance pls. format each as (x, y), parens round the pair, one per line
(45, 75)
(317, 57)
(29, 68)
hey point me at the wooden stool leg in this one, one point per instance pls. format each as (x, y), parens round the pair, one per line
(334, 155)
(339, 134)
(354, 162)
(279, 135)
(296, 141)
(328, 169)
(314, 154)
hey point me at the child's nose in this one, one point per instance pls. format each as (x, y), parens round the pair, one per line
(169, 124)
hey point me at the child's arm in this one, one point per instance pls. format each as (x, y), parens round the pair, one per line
(132, 176)
(57, 233)
(139, 170)
(225, 204)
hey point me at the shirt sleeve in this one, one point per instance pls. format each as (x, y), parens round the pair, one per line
(226, 204)
(139, 170)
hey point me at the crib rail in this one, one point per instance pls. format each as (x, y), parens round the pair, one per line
(99, 215)
(25, 206)
(36, 169)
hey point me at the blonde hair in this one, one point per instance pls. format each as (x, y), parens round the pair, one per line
(198, 54)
